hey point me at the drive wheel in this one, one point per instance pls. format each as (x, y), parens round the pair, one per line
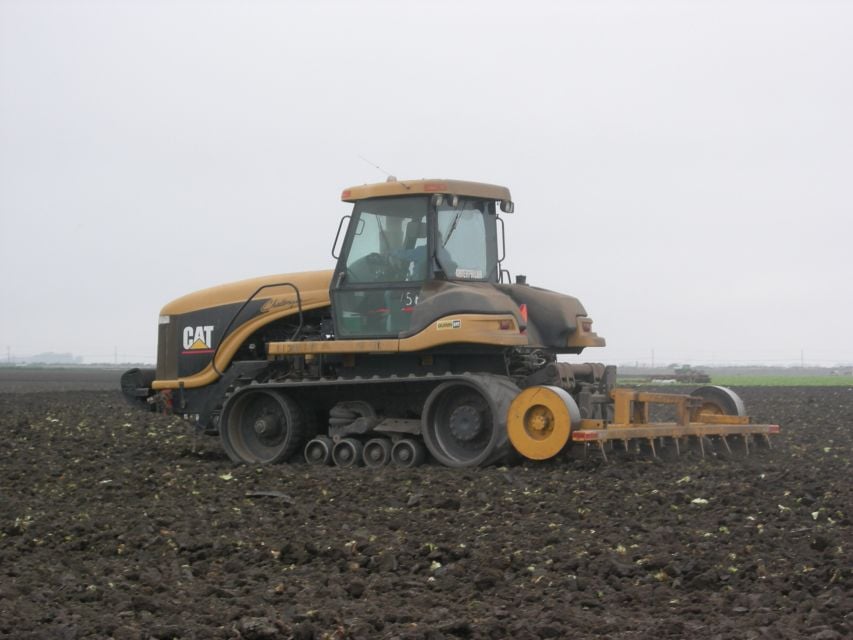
(261, 426)
(720, 401)
(463, 424)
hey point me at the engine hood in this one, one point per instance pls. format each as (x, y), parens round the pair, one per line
(313, 290)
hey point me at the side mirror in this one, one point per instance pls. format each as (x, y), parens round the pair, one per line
(507, 206)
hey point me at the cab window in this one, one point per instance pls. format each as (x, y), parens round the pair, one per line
(389, 244)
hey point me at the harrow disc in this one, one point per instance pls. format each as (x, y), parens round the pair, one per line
(540, 420)
(720, 401)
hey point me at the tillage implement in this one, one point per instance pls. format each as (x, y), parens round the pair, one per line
(415, 347)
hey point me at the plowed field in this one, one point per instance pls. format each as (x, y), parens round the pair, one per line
(120, 524)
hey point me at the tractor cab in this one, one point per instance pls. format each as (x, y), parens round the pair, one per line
(402, 236)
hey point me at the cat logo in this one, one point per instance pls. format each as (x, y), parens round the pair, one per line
(198, 339)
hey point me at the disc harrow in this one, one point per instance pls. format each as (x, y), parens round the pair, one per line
(542, 420)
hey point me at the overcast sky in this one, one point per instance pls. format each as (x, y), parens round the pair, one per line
(684, 168)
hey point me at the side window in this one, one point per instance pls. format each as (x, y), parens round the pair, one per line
(364, 242)
(462, 243)
(387, 248)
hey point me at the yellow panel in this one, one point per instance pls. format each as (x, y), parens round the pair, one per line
(583, 338)
(333, 346)
(313, 289)
(415, 187)
(456, 329)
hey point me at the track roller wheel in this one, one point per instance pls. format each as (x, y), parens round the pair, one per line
(720, 401)
(464, 422)
(347, 452)
(319, 451)
(408, 453)
(377, 452)
(261, 426)
(540, 420)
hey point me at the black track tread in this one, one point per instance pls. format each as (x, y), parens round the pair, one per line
(298, 430)
(290, 385)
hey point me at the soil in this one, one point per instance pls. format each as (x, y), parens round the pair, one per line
(120, 524)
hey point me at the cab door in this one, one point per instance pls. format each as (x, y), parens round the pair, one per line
(382, 268)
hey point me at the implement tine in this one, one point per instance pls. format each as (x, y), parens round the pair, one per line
(652, 444)
(726, 442)
(746, 442)
(603, 452)
(767, 440)
(677, 446)
(702, 444)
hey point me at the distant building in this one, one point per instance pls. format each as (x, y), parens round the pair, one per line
(49, 358)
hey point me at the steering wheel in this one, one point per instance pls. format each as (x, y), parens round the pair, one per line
(377, 267)
(388, 267)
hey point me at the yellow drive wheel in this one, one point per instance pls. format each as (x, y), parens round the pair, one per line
(540, 420)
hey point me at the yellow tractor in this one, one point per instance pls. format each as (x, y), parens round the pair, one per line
(415, 346)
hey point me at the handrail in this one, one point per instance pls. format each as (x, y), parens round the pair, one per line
(245, 304)
(503, 239)
(337, 235)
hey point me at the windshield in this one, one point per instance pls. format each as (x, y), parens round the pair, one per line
(462, 247)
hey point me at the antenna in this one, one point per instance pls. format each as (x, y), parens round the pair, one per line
(376, 166)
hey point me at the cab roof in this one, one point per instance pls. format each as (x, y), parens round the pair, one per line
(394, 187)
